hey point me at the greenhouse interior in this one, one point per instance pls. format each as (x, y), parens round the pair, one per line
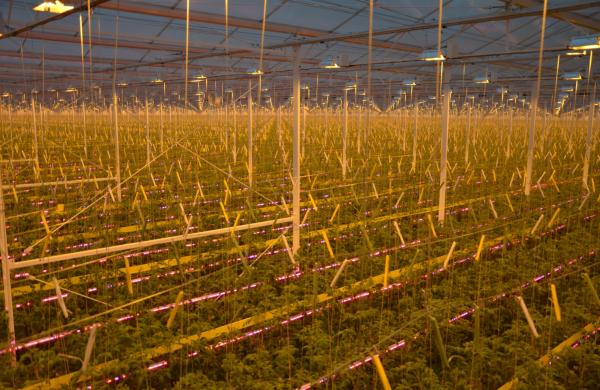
(300, 194)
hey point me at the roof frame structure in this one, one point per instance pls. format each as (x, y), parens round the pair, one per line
(294, 35)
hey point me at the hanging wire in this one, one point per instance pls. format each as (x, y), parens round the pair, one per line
(187, 49)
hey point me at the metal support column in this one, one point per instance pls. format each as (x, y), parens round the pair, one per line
(447, 92)
(117, 147)
(296, 153)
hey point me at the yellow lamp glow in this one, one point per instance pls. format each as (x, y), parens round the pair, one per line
(55, 7)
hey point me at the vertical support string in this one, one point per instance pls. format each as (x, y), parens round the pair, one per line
(556, 79)
(187, 50)
(296, 152)
(439, 50)
(83, 87)
(262, 49)
(369, 66)
(534, 103)
(89, 24)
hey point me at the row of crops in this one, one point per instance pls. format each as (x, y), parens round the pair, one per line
(504, 292)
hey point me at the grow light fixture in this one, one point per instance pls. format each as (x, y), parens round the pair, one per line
(409, 82)
(576, 53)
(572, 76)
(157, 81)
(54, 7)
(200, 76)
(481, 80)
(6, 94)
(122, 84)
(502, 90)
(329, 63)
(566, 89)
(71, 90)
(432, 55)
(587, 42)
(254, 71)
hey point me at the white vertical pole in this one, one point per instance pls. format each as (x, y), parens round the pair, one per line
(345, 135)
(35, 133)
(359, 130)
(162, 135)
(589, 73)
(199, 100)
(510, 130)
(556, 79)
(574, 111)
(259, 94)
(468, 135)
(588, 143)
(85, 148)
(279, 135)
(147, 134)
(296, 153)
(117, 146)
(6, 279)
(226, 106)
(531, 142)
(542, 135)
(414, 148)
(403, 113)
(234, 151)
(250, 162)
(444, 154)
(304, 109)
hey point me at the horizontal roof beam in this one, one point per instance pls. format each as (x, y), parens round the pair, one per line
(217, 19)
(423, 26)
(567, 16)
